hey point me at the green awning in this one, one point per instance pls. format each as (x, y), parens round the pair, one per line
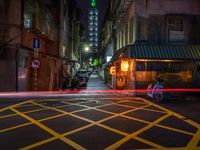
(159, 52)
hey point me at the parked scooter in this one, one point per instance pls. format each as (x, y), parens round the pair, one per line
(78, 83)
(155, 91)
(75, 84)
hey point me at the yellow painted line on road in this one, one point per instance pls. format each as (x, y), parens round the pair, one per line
(111, 129)
(195, 140)
(25, 105)
(157, 146)
(52, 132)
(30, 111)
(142, 109)
(120, 142)
(189, 121)
(15, 127)
(54, 138)
(149, 104)
(38, 144)
(6, 116)
(147, 122)
(25, 124)
(15, 105)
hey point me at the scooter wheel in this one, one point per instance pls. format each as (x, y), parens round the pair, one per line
(158, 97)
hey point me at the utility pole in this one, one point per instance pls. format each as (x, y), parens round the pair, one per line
(36, 63)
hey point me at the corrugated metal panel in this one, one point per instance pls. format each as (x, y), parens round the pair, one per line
(171, 52)
(177, 52)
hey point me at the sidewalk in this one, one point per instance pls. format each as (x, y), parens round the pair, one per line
(95, 83)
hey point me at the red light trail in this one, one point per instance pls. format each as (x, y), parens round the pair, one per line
(68, 92)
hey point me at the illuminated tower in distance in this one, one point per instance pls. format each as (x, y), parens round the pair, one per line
(93, 26)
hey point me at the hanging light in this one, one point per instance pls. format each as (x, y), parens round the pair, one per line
(124, 65)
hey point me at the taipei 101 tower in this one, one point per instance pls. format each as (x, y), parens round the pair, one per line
(93, 26)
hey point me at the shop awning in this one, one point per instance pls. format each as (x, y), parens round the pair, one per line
(159, 52)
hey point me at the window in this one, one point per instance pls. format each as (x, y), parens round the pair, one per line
(131, 31)
(126, 34)
(140, 66)
(29, 7)
(175, 29)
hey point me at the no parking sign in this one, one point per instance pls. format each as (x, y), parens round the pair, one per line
(35, 64)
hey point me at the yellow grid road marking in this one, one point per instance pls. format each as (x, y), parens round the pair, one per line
(157, 146)
(195, 140)
(120, 142)
(38, 144)
(142, 109)
(136, 119)
(92, 123)
(52, 132)
(47, 118)
(189, 121)
(121, 114)
(15, 127)
(106, 127)
(25, 124)
(30, 111)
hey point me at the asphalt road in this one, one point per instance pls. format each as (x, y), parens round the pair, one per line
(96, 121)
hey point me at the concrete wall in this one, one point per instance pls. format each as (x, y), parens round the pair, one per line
(162, 7)
(152, 19)
(154, 29)
(13, 75)
(10, 22)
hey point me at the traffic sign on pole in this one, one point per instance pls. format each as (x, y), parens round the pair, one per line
(36, 46)
(36, 42)
(35, 64)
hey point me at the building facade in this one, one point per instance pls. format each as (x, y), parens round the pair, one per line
(93, 26)
(22, 22)
(170, 26)
(70, 35)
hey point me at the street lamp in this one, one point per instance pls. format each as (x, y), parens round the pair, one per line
(86, 49)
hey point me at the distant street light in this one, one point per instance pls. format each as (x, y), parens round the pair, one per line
(87, 48)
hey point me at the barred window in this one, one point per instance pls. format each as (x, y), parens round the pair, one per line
(36, 15)
(29, 8)
(175, 28)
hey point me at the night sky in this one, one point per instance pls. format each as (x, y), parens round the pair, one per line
(84, 5)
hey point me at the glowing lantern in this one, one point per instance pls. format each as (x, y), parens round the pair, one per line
(112, 70)
(124, 65)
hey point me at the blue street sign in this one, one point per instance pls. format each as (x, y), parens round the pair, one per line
(36, 43)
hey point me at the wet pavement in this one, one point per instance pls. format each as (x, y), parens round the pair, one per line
(96, 84)
(95, 121)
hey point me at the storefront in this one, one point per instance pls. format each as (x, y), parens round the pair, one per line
(136, 65)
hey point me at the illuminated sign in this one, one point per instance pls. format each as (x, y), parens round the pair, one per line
(108, 58)
(113, 70)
